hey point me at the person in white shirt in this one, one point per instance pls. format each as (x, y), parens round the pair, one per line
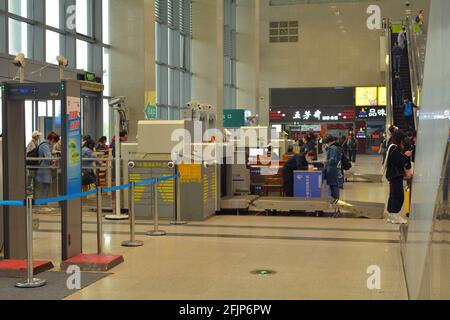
(402, 38)
(32, 145)
(35, 141)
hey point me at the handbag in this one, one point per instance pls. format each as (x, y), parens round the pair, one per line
(384, 168)
(88, 177)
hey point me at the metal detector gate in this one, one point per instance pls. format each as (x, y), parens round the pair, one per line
(14, 96)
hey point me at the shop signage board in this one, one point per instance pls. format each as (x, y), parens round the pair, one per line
(300, 115)
(371, 113)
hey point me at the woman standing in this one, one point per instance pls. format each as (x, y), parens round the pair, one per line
(397, 166)
(44, 174)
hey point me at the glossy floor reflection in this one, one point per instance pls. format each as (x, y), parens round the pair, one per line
(314, 258)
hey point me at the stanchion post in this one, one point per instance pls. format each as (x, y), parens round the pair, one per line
(132, 243)
(31, 281)
(99, 221)
(156, 232)
(177, 221)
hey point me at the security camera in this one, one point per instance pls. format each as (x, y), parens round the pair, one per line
(206, 107)
(193, 105)
(131, 165)
(171, 165)
(205, 165)
(62, 61)
(118, 101)
(407, 3)
(19, 60)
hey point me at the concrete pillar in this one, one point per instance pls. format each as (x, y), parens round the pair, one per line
(257, 44)
(207, 54)
(246, 70)
(220, 62)
(133, 55)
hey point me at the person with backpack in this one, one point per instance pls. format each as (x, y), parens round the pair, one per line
(352, 147)
(298, 162)
(408, 112)
(44, 174)
(32, 147)
(333, 163)
(420, 20)
(397, 167)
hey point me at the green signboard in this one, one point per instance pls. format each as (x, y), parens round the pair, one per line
(233, 118)
(151, 112)
(90, 76)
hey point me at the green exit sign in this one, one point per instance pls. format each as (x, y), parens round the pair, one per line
(233, 118)
(90, 76)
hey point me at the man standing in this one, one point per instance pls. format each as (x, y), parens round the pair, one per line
(352, 147)
(397, 53)
(334, 157)
(32, 145)
(398, 90)
(123, 138)
(408, 112)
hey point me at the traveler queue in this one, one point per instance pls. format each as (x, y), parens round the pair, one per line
(40, 175)
(339, 155)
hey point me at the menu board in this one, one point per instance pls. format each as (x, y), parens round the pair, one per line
(366, 96)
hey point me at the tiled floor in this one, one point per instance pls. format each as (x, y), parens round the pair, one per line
(314, 258)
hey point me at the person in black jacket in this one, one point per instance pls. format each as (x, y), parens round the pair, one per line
(299, 162)
(397, 164)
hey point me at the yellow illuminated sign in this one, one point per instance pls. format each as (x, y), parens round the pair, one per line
(382, 96)
(366, 96)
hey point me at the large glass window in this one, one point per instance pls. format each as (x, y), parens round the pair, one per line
(18, 37)
(105, 21)
(52, 47)
(41, 30)
(83, 15)
(52, 13)
(19, 7)
(106, 73)
(173, 56)
(82, 55)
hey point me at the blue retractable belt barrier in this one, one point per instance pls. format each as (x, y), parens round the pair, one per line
(12, 203)
(145, 182)
(119, 188)
(66, 198)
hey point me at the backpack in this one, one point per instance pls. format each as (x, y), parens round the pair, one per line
(417, 19)
(408, 110)
(34, 154)
(345, 163)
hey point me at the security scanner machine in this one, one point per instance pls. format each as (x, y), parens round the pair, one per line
(14, 96)
(261, 177)
(165, 148)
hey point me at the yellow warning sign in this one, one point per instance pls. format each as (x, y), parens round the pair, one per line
(190, 172)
